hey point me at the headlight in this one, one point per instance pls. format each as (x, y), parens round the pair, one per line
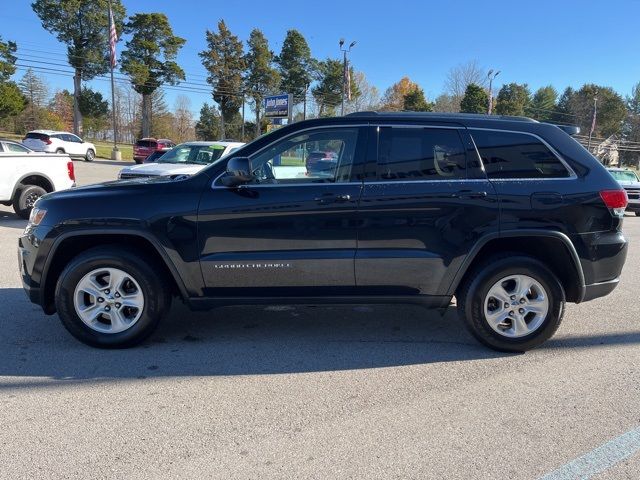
(36, 216)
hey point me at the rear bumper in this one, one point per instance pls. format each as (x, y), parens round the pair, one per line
(597, 290)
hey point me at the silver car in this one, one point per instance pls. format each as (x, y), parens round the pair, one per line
(628, 179)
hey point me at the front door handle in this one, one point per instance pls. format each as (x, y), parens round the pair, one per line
(331, 198)
(469, 194)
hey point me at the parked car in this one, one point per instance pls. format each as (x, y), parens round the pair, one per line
(185, 159)
(60, 142)
(156, 155)
(512, 217)
(628, 179)
(7, 145)
(322, 163)
(26, 175)
(146, 146)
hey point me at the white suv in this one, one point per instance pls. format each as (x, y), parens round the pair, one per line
(51, 141)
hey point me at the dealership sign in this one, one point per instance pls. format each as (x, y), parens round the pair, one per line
(278, 106)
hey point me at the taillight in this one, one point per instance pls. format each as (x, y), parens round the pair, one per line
(71, 172)
(48, 141)
(615, 199)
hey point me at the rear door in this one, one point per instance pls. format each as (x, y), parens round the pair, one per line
(425, 203)
(291, 232)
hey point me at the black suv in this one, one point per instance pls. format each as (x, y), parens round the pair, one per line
(511, 216)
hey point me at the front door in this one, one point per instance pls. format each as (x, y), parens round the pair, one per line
(292, 231)
(425, 203)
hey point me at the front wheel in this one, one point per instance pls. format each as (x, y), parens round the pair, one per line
(90, 156)
(512, 303)
(111, 297)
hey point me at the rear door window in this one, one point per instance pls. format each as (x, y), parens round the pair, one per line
(516, 155)
(409, 154)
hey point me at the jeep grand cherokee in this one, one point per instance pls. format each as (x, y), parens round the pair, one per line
(511, 216)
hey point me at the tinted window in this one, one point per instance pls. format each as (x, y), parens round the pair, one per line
(420, 154)
(322, 156)
(146, 143)
(516, 155)
(39, 136)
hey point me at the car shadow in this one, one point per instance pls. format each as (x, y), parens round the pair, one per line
(9, 219)
(244, 341)
(117, 163)
(235, 341)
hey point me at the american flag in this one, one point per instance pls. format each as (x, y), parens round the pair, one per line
(113, 38)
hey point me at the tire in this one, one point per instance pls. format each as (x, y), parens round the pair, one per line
(59, 150)
(510, 334)
(149, 279)
(637, 214)
(24, 199)
(90, 155)
(138, 161)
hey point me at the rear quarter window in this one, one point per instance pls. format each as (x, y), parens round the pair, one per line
(516, 155)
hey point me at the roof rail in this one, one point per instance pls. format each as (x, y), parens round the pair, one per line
(440, 115)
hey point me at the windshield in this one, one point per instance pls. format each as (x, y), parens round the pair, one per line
(196, 154)
(624, 175)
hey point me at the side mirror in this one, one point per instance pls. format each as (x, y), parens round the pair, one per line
(238, 172)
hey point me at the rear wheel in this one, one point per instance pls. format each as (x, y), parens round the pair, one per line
(111, 297)
(90, 156)
(59, 150)
(637, 213)
(512, 303)
(25, 198)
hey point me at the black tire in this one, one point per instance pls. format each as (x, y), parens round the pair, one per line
(90, 155)
(59, 150)
(24, 199)
(153, 283)
(472, 293)
(138, 161)
(637, 214)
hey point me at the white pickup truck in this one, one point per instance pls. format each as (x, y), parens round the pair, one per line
(26, 175)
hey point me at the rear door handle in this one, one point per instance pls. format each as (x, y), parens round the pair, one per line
(331, 198)
(469, 194)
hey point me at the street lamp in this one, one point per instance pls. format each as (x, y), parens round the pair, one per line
(491, 75)
(345, 71)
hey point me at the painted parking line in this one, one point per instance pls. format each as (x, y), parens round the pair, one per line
(599, 459)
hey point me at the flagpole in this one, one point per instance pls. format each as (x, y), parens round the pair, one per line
(115, 153)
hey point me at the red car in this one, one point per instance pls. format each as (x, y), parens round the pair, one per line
(146, 146)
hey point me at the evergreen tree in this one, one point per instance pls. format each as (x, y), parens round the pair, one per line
(543, 103)
(415, 101)
(513, 99)
(295, 64)
(150, 58)
(225, 63)
(475, 99)
(261, 77)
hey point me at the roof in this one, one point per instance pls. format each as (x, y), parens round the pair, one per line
(442, 116)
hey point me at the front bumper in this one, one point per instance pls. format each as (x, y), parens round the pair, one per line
(31, 262)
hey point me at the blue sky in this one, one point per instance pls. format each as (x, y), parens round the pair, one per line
(562, 42)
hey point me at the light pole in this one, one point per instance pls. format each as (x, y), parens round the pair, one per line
(593, 121)
(491, 75)
(345, 71)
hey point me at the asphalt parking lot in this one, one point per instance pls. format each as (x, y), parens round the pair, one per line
(317, 392)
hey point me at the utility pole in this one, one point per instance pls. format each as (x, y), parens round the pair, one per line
(491, 75)
(242, 139)
(593, 122)
(304, 102)
(345, 72)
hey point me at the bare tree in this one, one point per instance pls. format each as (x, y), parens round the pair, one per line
(460, 77)
(183, 125)
(128, 113)
(446, 103)
(369, 97)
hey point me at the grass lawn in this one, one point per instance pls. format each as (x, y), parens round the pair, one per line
(103, 150)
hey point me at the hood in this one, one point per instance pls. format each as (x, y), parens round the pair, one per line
(156, 169)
